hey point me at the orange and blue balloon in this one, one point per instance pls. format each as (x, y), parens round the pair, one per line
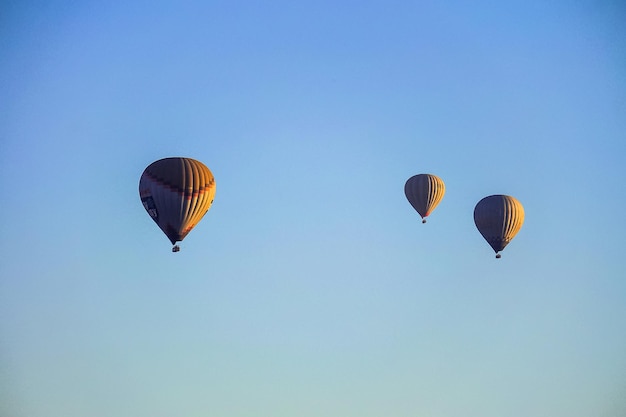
(177, 193)
(498, 219)
(424, 192)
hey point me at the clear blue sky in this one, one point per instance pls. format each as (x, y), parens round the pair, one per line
(311, 288)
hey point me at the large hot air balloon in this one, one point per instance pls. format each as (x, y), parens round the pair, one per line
(424, 192)
(499, 218)
(176, 193)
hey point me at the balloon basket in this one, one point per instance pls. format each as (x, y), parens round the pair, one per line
(176, 248)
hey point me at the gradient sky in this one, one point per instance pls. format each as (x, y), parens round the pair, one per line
(311, 288)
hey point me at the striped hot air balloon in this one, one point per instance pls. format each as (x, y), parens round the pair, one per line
(424, 192)
(499, 218)
(176, 193)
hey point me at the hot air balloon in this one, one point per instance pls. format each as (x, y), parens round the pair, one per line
(424, 192)
(499, 218)
(176, 193)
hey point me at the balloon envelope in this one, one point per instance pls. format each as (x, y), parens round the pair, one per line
(176, 193)
(424, 192)
(499, 218)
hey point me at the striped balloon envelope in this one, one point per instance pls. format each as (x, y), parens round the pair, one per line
(499, 218)
(176, 193)
(424, 192)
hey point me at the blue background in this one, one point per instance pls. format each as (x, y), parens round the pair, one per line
(311, 288)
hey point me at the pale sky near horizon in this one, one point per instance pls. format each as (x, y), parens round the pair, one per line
(311, 288)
